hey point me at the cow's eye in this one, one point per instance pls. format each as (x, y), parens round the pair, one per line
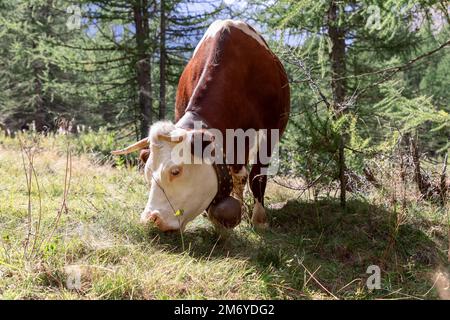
(175, 171)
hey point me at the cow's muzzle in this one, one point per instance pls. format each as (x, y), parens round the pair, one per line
(155, 218)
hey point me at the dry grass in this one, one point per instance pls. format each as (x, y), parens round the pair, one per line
(313, 250)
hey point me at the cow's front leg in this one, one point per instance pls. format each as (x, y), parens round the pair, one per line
(240, 175)
(258, 183)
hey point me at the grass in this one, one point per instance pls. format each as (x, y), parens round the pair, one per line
(312, 250)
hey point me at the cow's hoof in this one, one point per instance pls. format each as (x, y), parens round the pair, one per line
(260, 226)
(259, 218)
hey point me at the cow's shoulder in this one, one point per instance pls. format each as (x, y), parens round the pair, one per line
(219, 27)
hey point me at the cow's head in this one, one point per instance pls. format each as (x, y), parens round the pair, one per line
(179, 190)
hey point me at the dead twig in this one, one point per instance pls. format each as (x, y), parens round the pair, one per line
(63, 207)
(318, 283)
(443, 183)
(30, 173)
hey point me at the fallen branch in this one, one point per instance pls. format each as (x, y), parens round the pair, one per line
(317, 281)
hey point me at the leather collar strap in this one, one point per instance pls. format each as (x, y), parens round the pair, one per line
(224, 183)
(224, 178)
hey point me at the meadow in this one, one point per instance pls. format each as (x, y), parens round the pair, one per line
(69, 227)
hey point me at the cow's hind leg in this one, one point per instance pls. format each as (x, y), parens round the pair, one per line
(258, 182)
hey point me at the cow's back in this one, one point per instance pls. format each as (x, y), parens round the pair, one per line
(234, 81)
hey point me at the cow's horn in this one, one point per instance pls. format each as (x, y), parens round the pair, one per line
(141, 144)
(169, 138)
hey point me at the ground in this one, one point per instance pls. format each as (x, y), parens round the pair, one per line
(96, 249)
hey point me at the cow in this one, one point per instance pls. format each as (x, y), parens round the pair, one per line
(232, 81)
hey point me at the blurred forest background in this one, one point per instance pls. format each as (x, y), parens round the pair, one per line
(369, 79)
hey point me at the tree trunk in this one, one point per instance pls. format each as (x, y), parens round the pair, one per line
(38, 101)
(143, 67)
(423, 183)
(37, 15)
(162, 63)
(337, 56)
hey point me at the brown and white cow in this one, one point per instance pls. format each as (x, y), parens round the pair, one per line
(233, 81)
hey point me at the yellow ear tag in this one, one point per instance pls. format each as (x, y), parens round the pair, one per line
(179, 212)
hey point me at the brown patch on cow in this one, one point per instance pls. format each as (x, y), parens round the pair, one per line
(211, 85)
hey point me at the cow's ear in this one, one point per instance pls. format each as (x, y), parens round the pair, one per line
(143, 156)
(200, 139)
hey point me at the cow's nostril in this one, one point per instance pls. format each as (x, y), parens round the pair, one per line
(154, 218)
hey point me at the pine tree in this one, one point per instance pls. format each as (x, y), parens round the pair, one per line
(344, 51)
(30, 74)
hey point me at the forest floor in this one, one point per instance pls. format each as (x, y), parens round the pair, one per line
(98, 250)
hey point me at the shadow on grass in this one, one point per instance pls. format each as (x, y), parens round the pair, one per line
(335, 245)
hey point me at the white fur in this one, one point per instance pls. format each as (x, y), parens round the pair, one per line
(220, 25)
(190, 192)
